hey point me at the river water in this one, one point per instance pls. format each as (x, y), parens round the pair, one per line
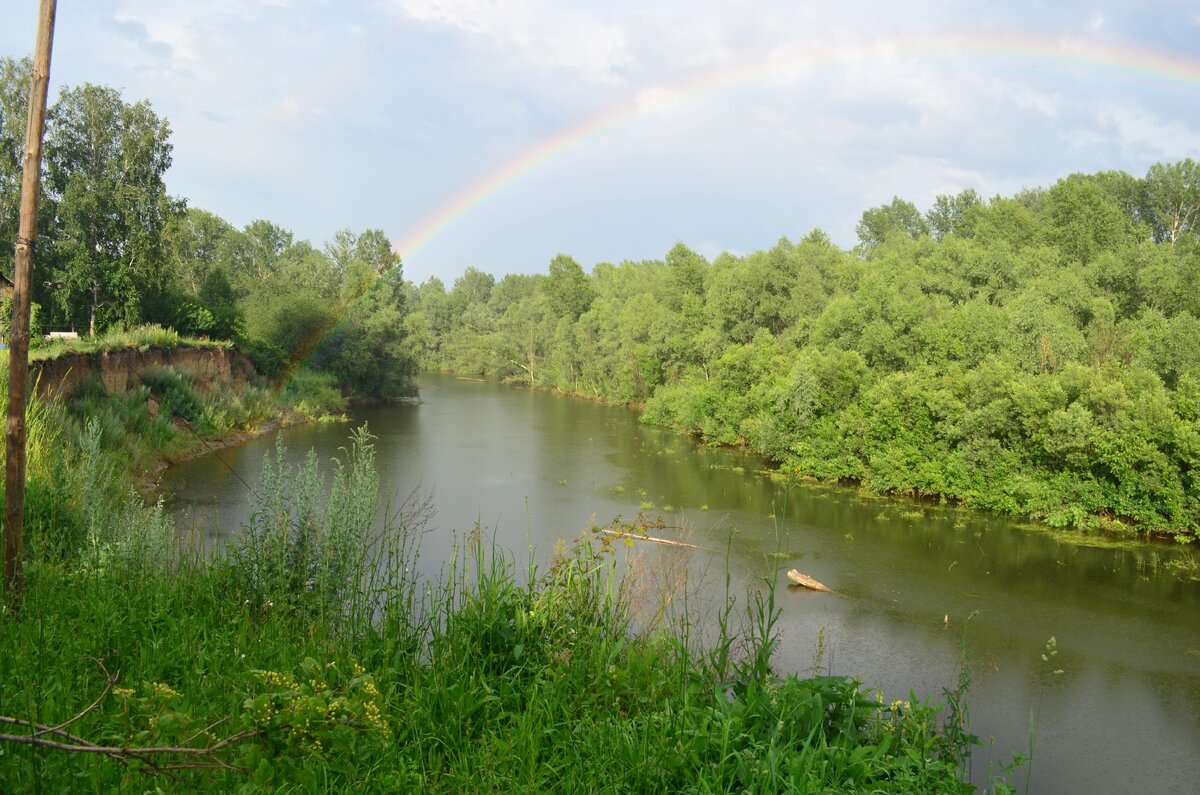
(915, 584)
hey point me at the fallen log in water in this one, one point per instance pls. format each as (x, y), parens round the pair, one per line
(651, 539)
(804, 581)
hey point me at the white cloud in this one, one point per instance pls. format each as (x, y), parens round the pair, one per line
(1141, 130)
(1048, 104)
(294, 110)
(541, 33)
(187, 29)
(657, 99)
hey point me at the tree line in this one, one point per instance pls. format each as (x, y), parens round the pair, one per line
(116, 250)
(1037, 354)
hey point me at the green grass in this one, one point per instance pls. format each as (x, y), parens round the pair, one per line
(312, 395)
(140, 338)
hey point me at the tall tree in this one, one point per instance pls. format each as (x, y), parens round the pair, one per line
(194, 243)
(359, 259)
(473, 287)
(106, 160)
(367, 349)
(254, 253)
(953, 215)
(897, 218)
(15, 77)
(569, 287)
(1171, 199)
(374, 248)
(1084, 218)
(687, 271)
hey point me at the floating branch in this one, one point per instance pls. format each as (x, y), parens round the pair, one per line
(651, 539)
(804, 581)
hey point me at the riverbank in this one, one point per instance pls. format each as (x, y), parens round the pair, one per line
(147, 480)
(304, 656)
(1096, 529)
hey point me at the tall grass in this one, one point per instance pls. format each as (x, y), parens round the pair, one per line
(312, 394)
(305, 547)
(313, 639)
(140, 338)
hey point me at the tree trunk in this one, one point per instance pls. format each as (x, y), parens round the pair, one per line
(18, 362)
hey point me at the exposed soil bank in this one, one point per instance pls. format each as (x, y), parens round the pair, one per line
(119, 370)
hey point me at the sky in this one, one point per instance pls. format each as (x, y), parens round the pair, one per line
(498, 133)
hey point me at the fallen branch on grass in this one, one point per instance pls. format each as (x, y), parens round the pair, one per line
(206, 757)
(153, 758)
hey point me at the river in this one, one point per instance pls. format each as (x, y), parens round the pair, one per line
(912, 581)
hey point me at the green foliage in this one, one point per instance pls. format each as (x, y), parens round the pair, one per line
(897, 219)
(1171, 199)
(139, 338)
(1084, 220)
(568, 287)
(120, 252)
(954, 215)
(105, 161)
(323, 710)
(1035, 355)
(175, 395)
(367, 351)
(16, 76)
(312, 394)
(296, 324)
(303, 549)
(212, 313)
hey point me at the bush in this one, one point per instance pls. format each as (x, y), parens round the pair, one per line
(312, 394)
(175, 395)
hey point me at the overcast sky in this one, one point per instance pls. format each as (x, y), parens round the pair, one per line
(497, 134)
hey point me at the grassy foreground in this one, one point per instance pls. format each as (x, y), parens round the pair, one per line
(308, 656)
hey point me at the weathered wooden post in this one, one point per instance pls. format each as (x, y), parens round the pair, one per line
(18, 362)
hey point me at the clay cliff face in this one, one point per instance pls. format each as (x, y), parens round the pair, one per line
(120, 370)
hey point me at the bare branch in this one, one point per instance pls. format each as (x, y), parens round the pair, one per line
(110, 680)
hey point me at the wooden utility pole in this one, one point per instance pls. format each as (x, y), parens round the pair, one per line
(18, 361)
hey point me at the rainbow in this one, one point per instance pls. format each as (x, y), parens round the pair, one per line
(1012, 46)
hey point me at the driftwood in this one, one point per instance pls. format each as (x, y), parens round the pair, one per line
(651, 539)
(804, 581)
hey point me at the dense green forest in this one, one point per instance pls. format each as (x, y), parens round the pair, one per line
(1036, 354)
(115, 250)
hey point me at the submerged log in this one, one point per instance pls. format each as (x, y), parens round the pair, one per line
(804, 581)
